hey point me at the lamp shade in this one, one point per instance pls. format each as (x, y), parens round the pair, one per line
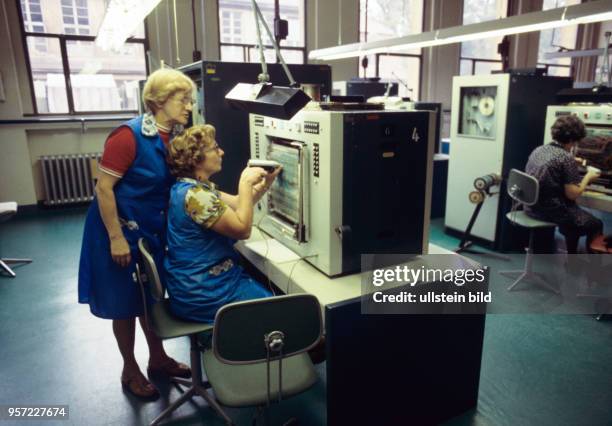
(266, 99)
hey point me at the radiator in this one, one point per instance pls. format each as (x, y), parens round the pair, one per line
(69, 178)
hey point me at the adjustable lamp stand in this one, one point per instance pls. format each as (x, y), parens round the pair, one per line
(263, 98)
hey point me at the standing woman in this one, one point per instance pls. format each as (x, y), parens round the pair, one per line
(131, 202)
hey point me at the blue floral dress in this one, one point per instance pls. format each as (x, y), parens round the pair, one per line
(202, 266)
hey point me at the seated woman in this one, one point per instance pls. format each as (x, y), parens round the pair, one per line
(202, 266)
(561, 184)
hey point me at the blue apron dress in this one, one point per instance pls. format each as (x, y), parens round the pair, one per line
(202, 267)
(142, 201)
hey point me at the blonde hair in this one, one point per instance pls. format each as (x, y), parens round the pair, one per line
(186, 150)
(163, 84)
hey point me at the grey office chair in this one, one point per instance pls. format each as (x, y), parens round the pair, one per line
(259, 350)
(160, 319)
(8, 210)
(524, 189)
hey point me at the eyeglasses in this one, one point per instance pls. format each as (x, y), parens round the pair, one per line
(186, 101)
(215, 147)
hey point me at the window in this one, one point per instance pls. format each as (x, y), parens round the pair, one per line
(60, 45)
(480, 56)
(383, 19)
(33, 22)
(75, 17)
(238, 37)
(555, 40)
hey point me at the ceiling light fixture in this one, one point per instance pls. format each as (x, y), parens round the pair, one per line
(121, 20)
(595, 11)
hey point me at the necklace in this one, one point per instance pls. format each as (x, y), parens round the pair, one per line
(162, 128)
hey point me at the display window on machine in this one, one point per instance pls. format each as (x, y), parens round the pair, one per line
(288, 196)
(477, 116)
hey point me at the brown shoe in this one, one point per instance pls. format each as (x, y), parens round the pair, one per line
(170, 368)
(140, 387)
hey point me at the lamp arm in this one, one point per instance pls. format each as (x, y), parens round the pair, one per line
(264, 77)
(258, 13)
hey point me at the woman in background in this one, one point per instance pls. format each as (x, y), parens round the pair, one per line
(561, 184)
(131, 202)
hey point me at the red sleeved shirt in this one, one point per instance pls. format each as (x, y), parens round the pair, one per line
(120, 151)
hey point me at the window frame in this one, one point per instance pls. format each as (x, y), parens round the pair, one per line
(247, 46)
(63, 39)
(546, 66)
(474, 61)
(378, 55)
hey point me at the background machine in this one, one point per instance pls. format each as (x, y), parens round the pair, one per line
(496, 122)
(215, 79)
(353, 182)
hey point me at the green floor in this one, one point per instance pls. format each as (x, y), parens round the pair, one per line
(537, 369)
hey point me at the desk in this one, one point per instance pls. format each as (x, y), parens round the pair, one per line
(596, 200)
(305, 278)
(384, 369)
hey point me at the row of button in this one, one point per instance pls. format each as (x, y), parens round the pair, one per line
(315, 158)
(597, 115)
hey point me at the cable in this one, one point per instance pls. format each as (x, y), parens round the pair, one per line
(266, 261)
(293, 268)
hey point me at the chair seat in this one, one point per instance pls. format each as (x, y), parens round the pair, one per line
(246, 385)
(521, 218)
(166, 325)
(7, 209)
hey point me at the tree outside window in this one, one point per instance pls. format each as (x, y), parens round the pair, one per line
(555, 40)
(59, 39)
(383, 19)
(237, 32)
(480, 56)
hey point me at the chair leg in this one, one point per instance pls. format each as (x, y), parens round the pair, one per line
(517, 281)
(6, 268)
(196, 386)
(4, 263)
(182, 399)
(528, 274)
(17, 260)
(201, 386)
(210, 400)
(183, 382)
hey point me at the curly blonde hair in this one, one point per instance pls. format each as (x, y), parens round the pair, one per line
(187, 149)
(162, 85)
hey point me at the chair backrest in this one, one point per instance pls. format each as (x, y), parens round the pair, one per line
(522, 187)
(241, 328)
(150, 269)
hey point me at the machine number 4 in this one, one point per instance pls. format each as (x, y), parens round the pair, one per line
(415, 135)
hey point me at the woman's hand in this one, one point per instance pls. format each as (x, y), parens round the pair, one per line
(252, 175)
(591, 175)
(120, 251)
(261, 188)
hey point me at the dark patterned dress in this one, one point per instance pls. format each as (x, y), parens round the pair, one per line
(554, 168)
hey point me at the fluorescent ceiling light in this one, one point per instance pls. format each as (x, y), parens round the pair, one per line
(595, 11)
(574, 53)
(121, 20)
